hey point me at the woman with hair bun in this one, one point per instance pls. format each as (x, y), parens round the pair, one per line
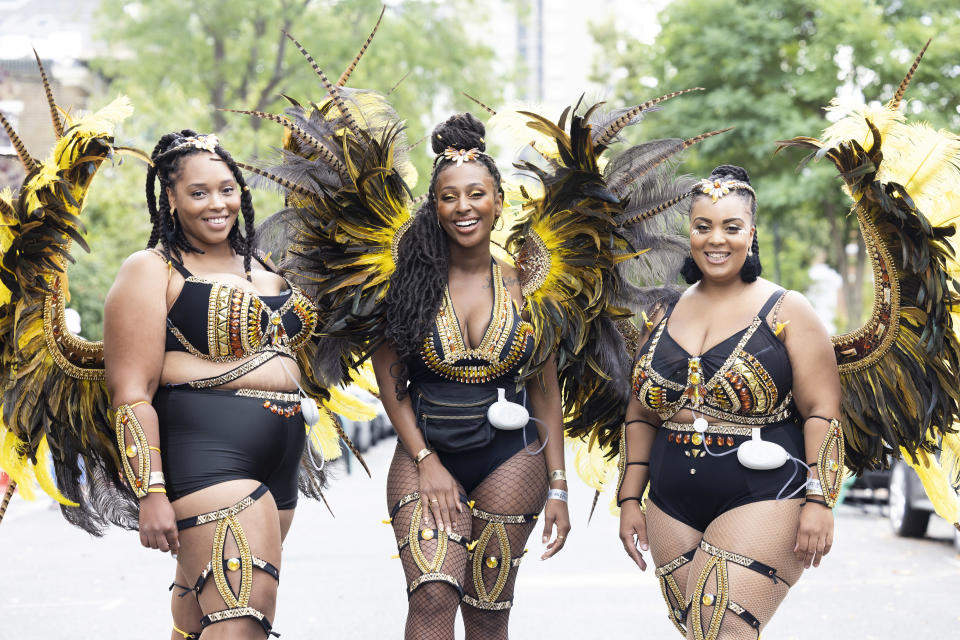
(464, 495)
(201, 339)
(735, 390)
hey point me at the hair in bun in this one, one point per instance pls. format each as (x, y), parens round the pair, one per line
(460, 131)
(730, 172)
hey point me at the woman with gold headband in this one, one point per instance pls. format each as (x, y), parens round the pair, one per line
(730, 533)
(738, 367)
(455, 336)
(201, 339)
(189, 421)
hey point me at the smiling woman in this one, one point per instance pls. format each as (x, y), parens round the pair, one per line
(197, 329)
(463, 494)
(722, 372)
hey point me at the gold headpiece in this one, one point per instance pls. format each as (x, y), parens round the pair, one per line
(205, 141)
(717, 188)
(461, 155)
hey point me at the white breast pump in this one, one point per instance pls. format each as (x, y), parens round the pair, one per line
(760, 454)
(507, 415)
(510, 416)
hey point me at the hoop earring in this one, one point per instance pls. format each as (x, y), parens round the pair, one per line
(499, 221)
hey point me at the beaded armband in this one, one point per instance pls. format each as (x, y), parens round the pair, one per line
(830, 461)
(126, 422)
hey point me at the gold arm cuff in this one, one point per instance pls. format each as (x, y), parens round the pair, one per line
(126, 420)
(832, 444)
(558, 474)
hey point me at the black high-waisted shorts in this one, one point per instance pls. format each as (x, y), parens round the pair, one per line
(209, 436)
(695, 488)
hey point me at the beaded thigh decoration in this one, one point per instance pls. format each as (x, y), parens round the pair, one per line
(238, 604)
(720, 601)
(485, 599)
(429, 567)
(672, 593)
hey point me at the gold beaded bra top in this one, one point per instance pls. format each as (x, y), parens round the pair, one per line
(506, 347)
(746, 379)
(220, 322)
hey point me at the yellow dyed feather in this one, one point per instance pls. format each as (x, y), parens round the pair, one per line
(26, 474)
(365, 378)
(44, 478)
(592, 466)
(937, 485)
(348, 406)
(324, 436)
(852, 123)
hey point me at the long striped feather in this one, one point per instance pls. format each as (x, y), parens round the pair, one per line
(54, 114)
(333, 90)
(353, 65)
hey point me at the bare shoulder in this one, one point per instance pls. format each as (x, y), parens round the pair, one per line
(796, 308)
(143, 263)
(144, 271)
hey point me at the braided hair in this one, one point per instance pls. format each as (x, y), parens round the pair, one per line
(752, 268)
(417, 285)
(167, 157)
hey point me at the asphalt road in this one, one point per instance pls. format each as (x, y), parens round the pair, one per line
(339, 581)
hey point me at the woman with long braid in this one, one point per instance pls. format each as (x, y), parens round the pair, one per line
(463, 495)
(201, 337)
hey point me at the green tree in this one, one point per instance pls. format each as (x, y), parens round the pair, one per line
(182, 60)
(769, 67)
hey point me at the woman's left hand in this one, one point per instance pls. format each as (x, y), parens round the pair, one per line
(814, 535)
(555, 514)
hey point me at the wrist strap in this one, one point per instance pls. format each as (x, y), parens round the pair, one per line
(816, 500)
(645, 464)
(629, 422)
(628, 498)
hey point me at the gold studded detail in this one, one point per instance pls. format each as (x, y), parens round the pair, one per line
(492, 562)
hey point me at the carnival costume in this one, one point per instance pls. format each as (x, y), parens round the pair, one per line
(55, 400)
(577, 237)
(898, 377)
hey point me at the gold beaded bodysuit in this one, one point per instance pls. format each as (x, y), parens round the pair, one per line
(452, 385)
(745, 382)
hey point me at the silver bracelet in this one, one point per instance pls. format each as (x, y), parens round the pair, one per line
(814, 487)
(557, 494)
(156, 477)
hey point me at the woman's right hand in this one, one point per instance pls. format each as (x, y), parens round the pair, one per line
(633, 532)
(158, 524)
(439, 490)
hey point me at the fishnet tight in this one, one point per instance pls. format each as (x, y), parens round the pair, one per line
(518, 486)
(764, 531)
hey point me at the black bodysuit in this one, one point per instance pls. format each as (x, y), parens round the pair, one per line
(744, 381)
(452, 386)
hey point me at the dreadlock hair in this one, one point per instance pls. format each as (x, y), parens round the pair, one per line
(751, 268)
(416, 287)
(167, 157)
